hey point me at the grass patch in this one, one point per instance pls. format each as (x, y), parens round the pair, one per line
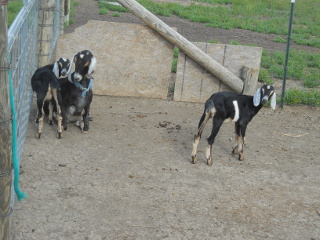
(13, 9)
(302, 66)
(304, 97)
(264, 16)
(175, 60)
(103, 11)
(279, 39)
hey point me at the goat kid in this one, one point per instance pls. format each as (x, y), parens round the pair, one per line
(76, 90)
(45, 84)
(225, 107)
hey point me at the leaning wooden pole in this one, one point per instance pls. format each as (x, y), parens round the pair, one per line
(5, 128)
(215, 68)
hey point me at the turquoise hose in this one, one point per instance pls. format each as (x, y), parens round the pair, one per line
(15, 160)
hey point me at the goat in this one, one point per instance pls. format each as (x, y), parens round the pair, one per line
(76, 90)
(45, 84)
(225, 107)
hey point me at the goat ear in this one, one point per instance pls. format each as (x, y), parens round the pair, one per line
(55, 69)
(71, 63)
(92, 65)
(257, 98)
(273, 101)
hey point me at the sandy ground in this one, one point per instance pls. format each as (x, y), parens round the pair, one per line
(131, 176)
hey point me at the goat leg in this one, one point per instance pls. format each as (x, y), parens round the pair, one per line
(40, 126)
(50, 113)
(196, 141)
(59, 131)
(209, 154)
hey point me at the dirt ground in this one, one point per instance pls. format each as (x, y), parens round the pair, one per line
(131, 176)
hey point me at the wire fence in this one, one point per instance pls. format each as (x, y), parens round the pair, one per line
(23, 61)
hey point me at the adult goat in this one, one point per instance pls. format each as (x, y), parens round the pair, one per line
(225, 107)
(45, 84)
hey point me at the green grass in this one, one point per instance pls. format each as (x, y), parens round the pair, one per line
(14, 8)
(304, 97)
(264, 16)
(302, 66)
(175, 60)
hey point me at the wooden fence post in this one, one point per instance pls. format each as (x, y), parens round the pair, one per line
(5, 128)
(249, 77)
(45, 32)
(62, 17)
(215, 68)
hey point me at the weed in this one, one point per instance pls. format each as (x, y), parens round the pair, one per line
(279, 39)
(306, 97)
(103, 11)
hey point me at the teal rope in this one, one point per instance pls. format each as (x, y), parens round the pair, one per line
(15, 160)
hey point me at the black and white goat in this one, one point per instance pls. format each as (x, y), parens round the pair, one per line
(225, 107)
(76, 90)
(45, 84)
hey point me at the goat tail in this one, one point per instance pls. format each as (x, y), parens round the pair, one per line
(209, 105)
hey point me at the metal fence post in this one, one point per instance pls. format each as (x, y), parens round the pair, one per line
(5, 128)
(287, 54)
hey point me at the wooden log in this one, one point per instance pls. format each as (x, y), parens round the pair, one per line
(215, 68)
(5, 128)
(250, 78)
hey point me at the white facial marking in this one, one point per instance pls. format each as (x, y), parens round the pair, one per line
(236, 110)
(78, 77)
(268, 87)
(81, 55)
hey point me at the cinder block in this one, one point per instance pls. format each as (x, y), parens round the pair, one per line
(132, 59)
(195, 84)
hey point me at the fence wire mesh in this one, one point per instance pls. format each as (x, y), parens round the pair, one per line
(23, 60)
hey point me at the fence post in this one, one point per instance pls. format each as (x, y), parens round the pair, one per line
(287, 55)
(5, 128)
(45, 31)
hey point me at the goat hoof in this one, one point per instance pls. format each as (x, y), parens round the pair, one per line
(85, 132)
(59, 135)
(241, 157)
(209, 162)
(235, 151)
(194, 160)
(50, 123)
(38, 135)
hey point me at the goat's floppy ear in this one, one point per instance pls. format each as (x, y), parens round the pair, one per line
(257, 98)
(55, 69)
(71, 63)
(92, 65)
(273, 101)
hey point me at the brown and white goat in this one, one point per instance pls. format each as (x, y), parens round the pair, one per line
(225, 107)
(45, 84)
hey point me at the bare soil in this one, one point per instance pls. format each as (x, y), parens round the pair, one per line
(131, 176)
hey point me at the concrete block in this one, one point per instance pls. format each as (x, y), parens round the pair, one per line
(132, 59)
(195, 84)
